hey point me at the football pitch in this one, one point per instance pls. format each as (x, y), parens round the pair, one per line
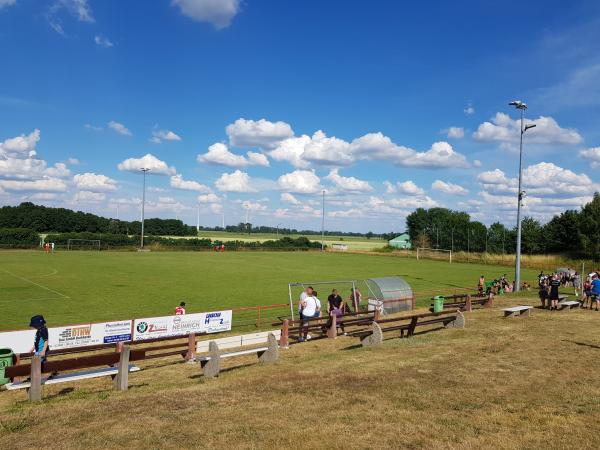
(80, 287)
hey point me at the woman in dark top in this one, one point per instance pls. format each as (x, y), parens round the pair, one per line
(554, 285)
(335, 306)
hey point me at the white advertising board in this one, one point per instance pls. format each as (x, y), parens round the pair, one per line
(158, 327)
(18, 341)
(89, 334)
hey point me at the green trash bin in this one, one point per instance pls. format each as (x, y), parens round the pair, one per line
(6, 359)
(438, 304)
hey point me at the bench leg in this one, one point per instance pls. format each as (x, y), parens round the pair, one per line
(35, 391)
(213, 365)
(375, 338)
(284, 338)
(272, 354)
(528, 313)
(332, 330)
(121, 381)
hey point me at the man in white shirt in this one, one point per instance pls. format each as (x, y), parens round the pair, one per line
(303, 296)
(310, 308)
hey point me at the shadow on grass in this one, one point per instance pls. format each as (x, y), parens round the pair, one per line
(228, 369)
(583, 344)
(403, 339)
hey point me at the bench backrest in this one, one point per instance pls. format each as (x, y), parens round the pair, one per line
(82, 362)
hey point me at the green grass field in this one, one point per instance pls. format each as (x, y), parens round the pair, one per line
(79, 287)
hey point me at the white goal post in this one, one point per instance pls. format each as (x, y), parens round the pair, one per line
(83, 244)
(434, 253)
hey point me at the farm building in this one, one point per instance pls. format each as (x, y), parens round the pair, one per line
(401, 241)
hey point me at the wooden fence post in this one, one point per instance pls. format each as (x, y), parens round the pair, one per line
(468, 306)
(284, 337)
(191, 352)
(332, 330)
(35, 391)
(122, 378)
(376, 313)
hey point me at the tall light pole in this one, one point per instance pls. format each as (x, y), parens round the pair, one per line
(278, 230)
(144, 171)
(323, 224)
(522, 107)
(198, 221)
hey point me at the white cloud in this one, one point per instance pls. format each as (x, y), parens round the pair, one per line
(592, 155)
(92, 127)
(94, 182)
(409, 188)
(258, 133)
(286, 197)
(299, 182)
(237, 181)
(178, 182)
(219, 154)
(253, 206)
(89, 197)
(469, 110)
(73, 161)
(45, 184)
(217, 12)
(440, 155)
(42, 196)
(163, 135)
(22, 146)
(348, 184)
(103, 41)
(448, 188)
(6, 3)
(119, 128)
(455, 132)
(329, 151)
(208, 198)
(579, 89)
(156, 166)
(291, 151)
(547, 131)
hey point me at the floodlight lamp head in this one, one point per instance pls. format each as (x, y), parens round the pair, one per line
(518, 104)
(527, 127)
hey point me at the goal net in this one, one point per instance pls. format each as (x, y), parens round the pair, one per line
(83, 244)
(434, 253)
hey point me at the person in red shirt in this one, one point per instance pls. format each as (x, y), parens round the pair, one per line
(180, 310)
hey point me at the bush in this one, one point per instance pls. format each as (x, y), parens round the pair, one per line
(18, 238)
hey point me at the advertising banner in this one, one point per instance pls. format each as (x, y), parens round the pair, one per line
(89, 334)
(166, 326)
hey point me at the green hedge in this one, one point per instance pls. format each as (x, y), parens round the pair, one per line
(19, 238)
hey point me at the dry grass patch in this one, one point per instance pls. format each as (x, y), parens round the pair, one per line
(499, 383)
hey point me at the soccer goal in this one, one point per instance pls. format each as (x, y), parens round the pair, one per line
(83, 244)
(434, 253)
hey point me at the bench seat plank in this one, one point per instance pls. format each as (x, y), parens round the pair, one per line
(234, 354)
(64, 378)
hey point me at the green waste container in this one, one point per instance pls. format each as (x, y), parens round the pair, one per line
(6, 359)
(438, 304)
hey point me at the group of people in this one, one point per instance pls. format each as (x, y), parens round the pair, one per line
(550, 284)
(496, 286)
(49, 247)
(309, 307)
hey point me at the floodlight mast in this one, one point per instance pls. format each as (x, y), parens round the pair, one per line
(144, 171)
(522, 107)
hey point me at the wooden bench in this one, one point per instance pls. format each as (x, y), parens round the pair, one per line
(212, 363)
(374, 336)
(568, 305)
(36, 368)
(516, 311)
(465, 302)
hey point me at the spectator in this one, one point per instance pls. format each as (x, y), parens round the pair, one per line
(587, 293)
(180, 310)
(40, 344)
(355, 298)
(335, 307)
(595, 290)
(481, 285)
(554, 286)
(310, 308)
(543, 293)
(304, 295)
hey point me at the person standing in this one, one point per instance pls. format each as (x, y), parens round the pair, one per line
(180, 310)
(303, 296)
(335, 307)
(40, 344)
(481, 285)
(309, 309)
(355, 298)
(595, 290)
(554, 286)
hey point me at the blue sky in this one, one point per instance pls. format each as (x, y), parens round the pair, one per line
(258, 106)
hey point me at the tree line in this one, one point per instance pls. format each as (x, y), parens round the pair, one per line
(576, 233)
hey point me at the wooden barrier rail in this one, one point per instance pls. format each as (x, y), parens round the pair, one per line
(465, 302)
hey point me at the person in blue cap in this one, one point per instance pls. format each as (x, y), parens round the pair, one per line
(40, 345)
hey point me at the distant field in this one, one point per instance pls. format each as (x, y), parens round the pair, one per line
(75, 287)
(353, 242)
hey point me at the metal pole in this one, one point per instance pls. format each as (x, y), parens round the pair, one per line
(198, 221)
(144, 170)
(452, 239)
(323, 224)
(519, 198)
(468, 243)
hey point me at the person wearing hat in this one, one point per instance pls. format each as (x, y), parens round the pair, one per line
(40, 345)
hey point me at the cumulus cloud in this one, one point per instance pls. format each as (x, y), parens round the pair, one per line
(237, 181)
(299, 182)
(291, 151)
(217, 12)
(406, 187)
(455, 132)
(503, 129)
(103, 41)
(592, 155)
(469, 110)
(79, 9)
(348, 184)
(286, 197)
(89, 126)
(253, 206)
(208, 198)
(22, 146)
(148, 161)
(44, 184)
(219, 154)
(159, 136)
(178, 182)
(94, 182)
(89, 197)
(258, 133)
(448, 188)
(119, 128)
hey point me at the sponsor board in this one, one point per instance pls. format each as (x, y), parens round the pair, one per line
(166, 326)
(89, 334)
